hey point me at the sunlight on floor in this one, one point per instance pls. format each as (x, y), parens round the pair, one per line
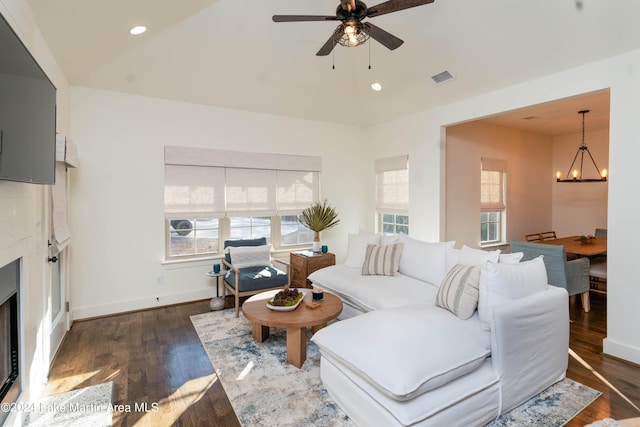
(246, 371)
(187, 395)
(72, 382)
(601, 378)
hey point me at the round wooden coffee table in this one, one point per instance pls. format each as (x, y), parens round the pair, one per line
(295, 322)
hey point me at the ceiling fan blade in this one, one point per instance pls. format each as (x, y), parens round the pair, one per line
(299, 18)
(388, 40)
(330, 44)
(394, 6)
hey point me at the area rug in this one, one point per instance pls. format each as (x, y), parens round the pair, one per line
(85, 407)
(266, 390)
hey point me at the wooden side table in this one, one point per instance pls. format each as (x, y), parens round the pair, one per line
(302, 264)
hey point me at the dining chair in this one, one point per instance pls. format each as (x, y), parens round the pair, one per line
(252, 272)
(547, 235)
(600, 232)
(536, 237)
(598, 269)
(572, 275)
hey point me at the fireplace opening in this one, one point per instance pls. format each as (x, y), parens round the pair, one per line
(9, 334)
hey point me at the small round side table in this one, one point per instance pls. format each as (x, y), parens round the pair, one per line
(217, 302)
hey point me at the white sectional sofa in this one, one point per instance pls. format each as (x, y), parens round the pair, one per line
(397, 358)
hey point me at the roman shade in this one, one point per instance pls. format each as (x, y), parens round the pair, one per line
(215, 183)
(392, 184)
(491, 187)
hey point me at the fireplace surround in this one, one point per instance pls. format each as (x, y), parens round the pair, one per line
(9, 334)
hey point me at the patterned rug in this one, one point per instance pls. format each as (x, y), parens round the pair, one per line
(85, 407)
(266, 390)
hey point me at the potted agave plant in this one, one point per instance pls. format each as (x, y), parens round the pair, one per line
(318, 217)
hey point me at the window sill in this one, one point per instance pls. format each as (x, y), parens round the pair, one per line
(496, 245)
(206, 260)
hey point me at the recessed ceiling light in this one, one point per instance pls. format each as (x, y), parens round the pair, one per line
(138, 29)
(376, 86)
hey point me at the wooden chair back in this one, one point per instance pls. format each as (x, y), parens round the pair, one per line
(548, 235)
(536, 237)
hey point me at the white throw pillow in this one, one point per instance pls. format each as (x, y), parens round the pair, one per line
(452, 256)
(389, 239)
(357, 248)
(382, 260)
(500, 283)
(250, 256)
(459, 290)
(512, 258)
(471, 256)
(424, 261)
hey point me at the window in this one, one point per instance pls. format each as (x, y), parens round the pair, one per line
(394, 223)
(193, 236)
(215, 195)
(492, 204)
(392, 194)
(250, 227)
(292, 232)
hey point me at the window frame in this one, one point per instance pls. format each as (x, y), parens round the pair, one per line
(395, 224)
(494, 205)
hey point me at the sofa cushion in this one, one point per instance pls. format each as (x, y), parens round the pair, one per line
(250, 256)
(500, 283)
(424, 261)
(256, 278)
(357, 248)
(512, 258)
(423, 348)
(382, 260)
(367, 293)
(458, 292)
(471, 256)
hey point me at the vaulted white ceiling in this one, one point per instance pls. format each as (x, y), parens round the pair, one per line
(229, 53)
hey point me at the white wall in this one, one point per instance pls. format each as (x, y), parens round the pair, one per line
(117, 203)
(24, 223)
(528, 196)
(421, 136)
(578, 209)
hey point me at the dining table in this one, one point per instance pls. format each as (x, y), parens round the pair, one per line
(575, 245)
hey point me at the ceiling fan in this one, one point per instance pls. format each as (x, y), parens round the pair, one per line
(353, 32)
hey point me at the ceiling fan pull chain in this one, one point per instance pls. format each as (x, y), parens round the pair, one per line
(369, 55)
(333, 59)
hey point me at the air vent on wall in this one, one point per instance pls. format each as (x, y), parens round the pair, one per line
(442, 77)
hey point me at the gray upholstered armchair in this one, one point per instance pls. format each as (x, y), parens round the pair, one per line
(572, 275)
(251, 270)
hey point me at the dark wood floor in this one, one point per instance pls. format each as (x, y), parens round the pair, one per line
(155, 356)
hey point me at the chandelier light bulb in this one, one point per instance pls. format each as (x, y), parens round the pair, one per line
(604, 173)
(575, 173)
(558, 174)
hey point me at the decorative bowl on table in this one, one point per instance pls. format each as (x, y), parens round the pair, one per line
(587, 240)
(286, 300)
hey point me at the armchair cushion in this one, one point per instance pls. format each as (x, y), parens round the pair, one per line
(250, 256)
(244, 242)
(256, 278)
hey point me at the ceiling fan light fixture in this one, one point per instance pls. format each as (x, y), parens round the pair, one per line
(351, 34)
(376, 86)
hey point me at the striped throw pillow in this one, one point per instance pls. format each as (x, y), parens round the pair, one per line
(459, 292)
(382, 260)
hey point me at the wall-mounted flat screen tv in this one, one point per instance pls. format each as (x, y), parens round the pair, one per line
(27, 114)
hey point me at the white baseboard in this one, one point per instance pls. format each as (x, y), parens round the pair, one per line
(80, 313)
(621, 350)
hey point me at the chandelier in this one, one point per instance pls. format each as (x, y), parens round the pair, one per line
(574, 174)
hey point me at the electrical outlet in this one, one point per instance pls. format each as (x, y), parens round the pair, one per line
(160, 281)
